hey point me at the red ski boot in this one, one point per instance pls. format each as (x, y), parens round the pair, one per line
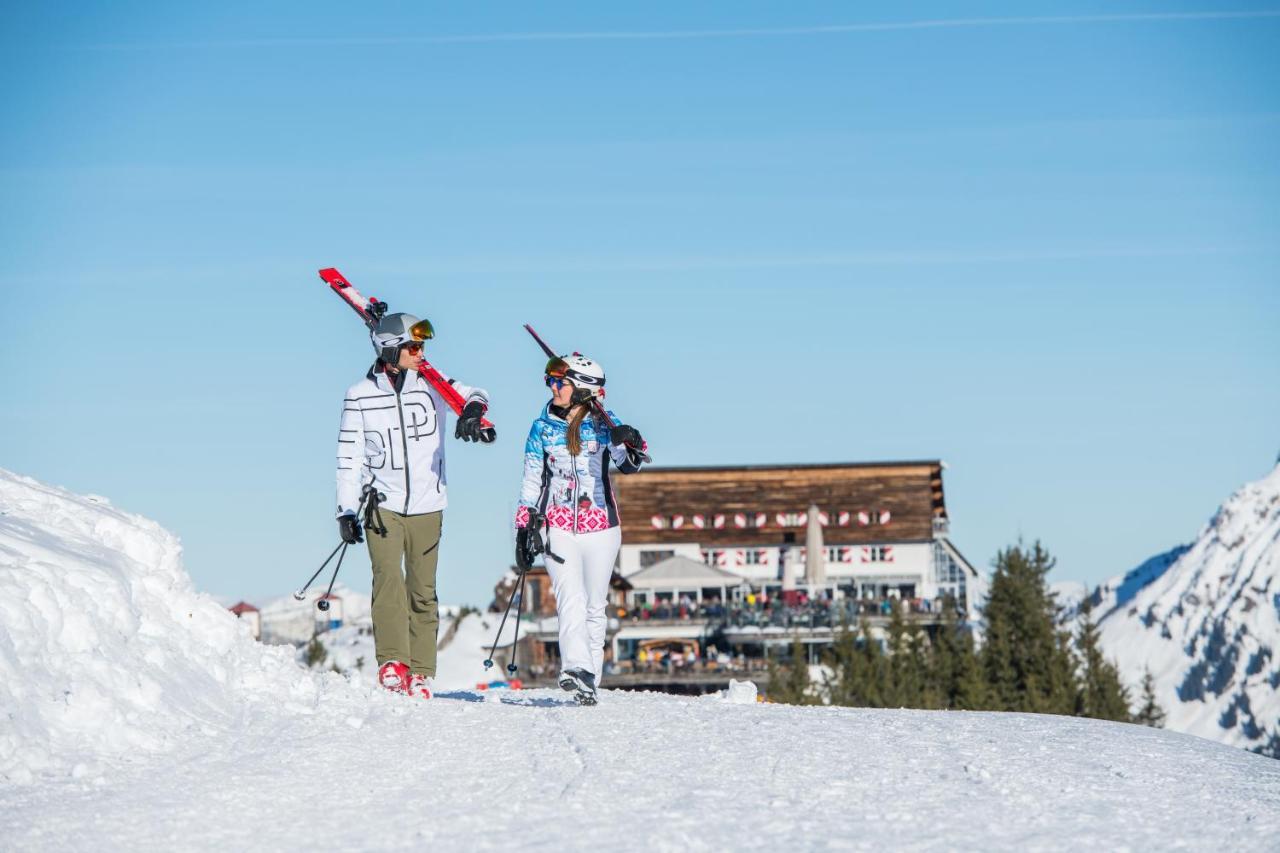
(394, 676)
(419, 686)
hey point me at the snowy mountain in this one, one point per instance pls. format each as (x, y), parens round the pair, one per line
(137, 714)
(1205, 618)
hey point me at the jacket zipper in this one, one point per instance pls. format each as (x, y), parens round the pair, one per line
(575, 483)
(404, 444)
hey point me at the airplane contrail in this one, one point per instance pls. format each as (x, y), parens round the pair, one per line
(654, 35)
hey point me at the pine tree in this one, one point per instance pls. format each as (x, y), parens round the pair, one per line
(790, 684)
(969, 689)
(1150, 714)
(1027, 660)
(902, 691)
(870, 671)
(844, 686)
(924, 691)
(315, 654)
(1102, 695)
(955, 672)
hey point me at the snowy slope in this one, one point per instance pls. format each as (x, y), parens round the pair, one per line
(1206, 620)
(138, 716)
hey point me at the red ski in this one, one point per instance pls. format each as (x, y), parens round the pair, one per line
(371, 310)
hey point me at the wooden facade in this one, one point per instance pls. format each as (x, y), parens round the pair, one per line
(862, 503)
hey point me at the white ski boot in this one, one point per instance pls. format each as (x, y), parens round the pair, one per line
(581, 684)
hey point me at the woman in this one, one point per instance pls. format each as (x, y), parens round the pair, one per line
(566, 487)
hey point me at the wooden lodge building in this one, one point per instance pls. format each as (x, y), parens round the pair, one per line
(706, 549)
(883, 530)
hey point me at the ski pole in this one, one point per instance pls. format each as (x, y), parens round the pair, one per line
(512, 669)
(323, 604)
(536, 523)
(488, 662)
(300, 594)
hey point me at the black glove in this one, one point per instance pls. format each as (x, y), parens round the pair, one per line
(628, 435)
(528, 546)
(349, 529)
(469, 428)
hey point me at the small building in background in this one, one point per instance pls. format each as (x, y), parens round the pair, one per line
(329, 617)
(250, 614)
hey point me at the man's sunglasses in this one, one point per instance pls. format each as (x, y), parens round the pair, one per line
(413, 348)
(557, 382)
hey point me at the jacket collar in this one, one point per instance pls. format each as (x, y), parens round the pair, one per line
(378, 376)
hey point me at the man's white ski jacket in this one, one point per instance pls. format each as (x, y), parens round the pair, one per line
(394, 441)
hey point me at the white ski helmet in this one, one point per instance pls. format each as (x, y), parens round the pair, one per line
(394, 331)
(587, 376)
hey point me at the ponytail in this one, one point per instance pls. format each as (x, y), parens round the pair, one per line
(576, 417)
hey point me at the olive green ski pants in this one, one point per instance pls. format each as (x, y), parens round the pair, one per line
(405, 610)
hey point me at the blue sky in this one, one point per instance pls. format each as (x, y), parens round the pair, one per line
(1038, 241)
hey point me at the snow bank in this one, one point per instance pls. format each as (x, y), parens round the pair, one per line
(106, 650)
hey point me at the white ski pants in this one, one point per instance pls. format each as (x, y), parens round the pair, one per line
(581, 587)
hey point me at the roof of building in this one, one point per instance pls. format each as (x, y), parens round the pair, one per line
(242, 607)
(865, 502)
(680, 571)
(799, 466)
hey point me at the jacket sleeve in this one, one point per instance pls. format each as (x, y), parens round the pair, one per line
(469, 394)
(628, 461)
(535, 464)
(351, 457)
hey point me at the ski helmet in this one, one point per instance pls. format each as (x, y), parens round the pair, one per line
(394, 331)
(586, 375)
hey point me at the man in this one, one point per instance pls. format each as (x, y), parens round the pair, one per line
(391, 462)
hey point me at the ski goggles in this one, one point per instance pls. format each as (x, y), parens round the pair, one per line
(422, 331)
(557, 367)
(557, 373)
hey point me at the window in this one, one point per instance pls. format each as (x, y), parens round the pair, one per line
(878, 554)
(755, 558)
(949, 575)
(649, 557)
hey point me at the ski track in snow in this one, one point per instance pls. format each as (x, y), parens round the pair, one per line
(136, 714)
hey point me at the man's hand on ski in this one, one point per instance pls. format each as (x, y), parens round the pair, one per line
(628, 435)
(349, 529)
(469, 428)
(529, 543)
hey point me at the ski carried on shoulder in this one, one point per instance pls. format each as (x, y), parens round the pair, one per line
(597, 408)
(371, 310)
